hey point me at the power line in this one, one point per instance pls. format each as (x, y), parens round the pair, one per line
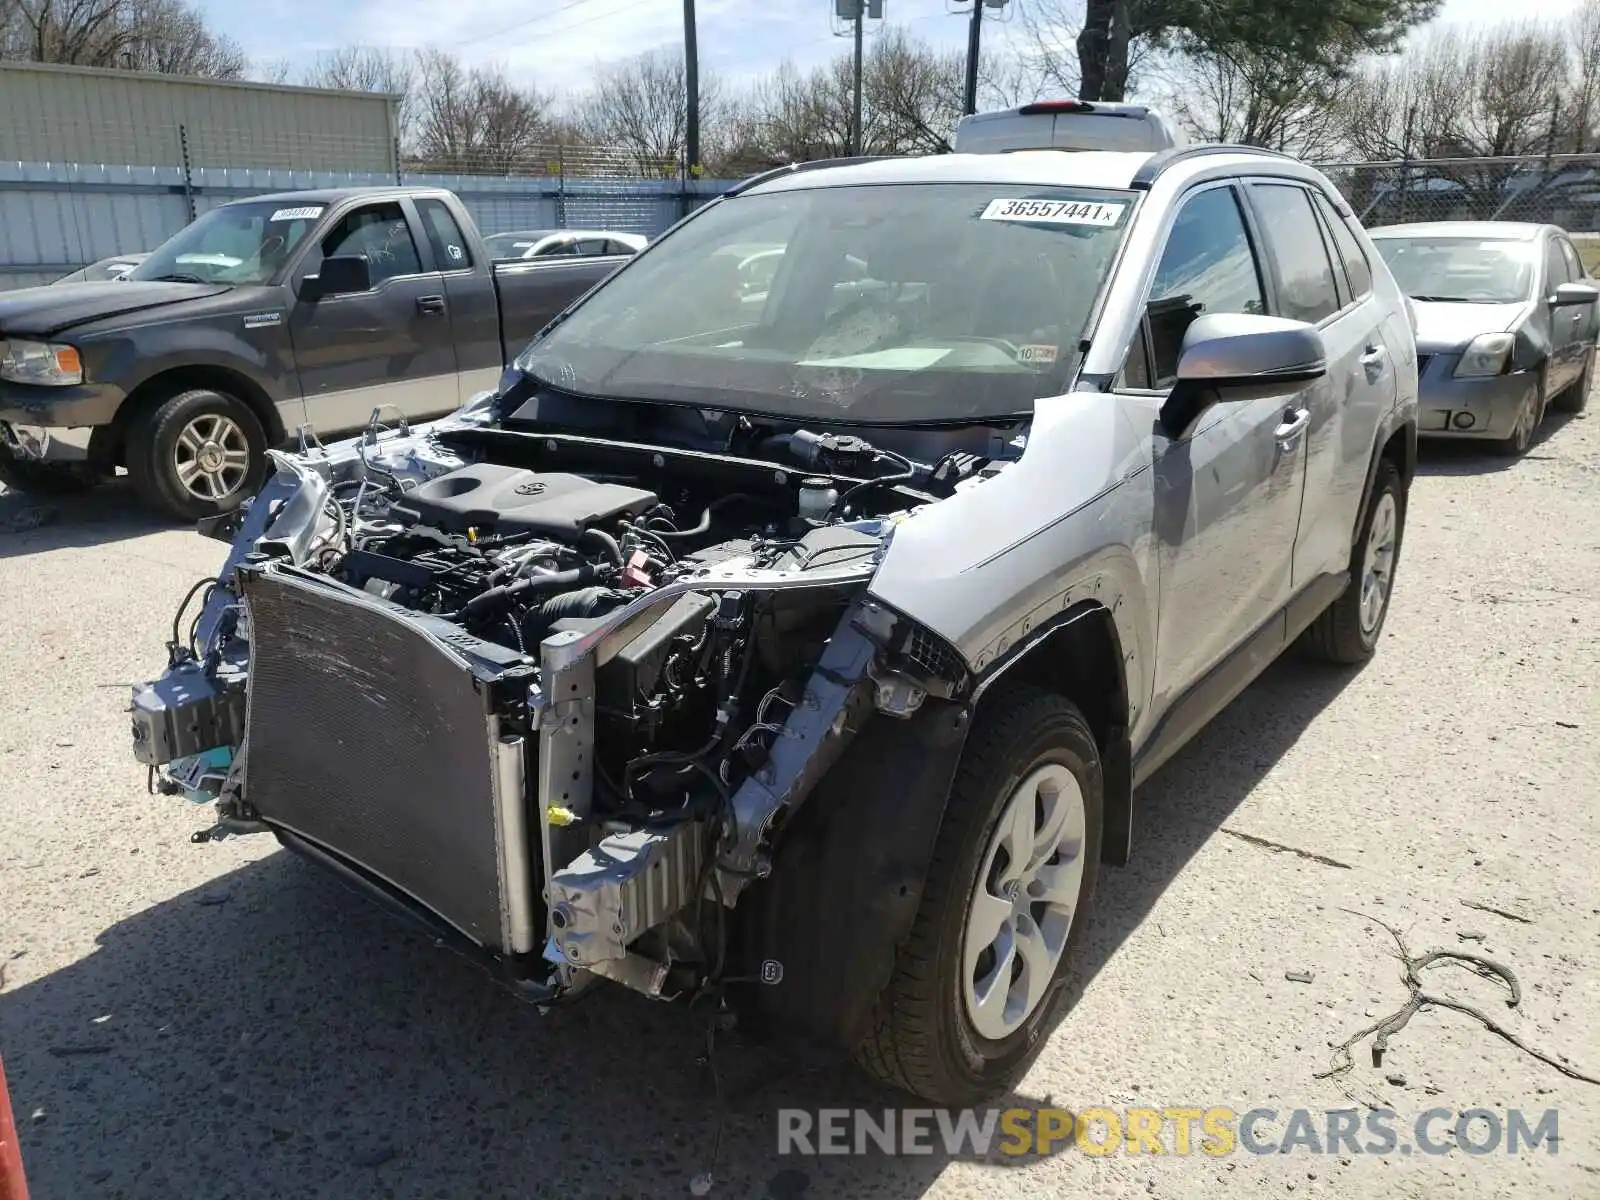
(522, 24)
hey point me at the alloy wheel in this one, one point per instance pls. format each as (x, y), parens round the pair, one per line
(1377, 566)
(211, 456)
(1025, 899)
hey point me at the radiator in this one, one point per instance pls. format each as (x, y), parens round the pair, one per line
(380, 744)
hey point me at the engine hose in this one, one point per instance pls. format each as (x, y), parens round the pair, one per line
(613, 550)
(502, 597)
(705, 517)
(588, 602)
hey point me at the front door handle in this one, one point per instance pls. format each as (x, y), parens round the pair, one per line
(1294, 424)
(1374, 356)
(430, 304)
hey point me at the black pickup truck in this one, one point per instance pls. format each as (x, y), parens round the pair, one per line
(262, 317)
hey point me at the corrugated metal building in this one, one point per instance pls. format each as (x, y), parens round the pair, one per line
(57, 114)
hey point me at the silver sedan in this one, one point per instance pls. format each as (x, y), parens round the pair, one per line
(1506, 322)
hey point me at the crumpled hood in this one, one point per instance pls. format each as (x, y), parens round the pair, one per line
(49, 310)
(1442, 327)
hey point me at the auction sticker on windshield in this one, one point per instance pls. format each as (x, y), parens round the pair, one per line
(298, 214)
(1056, 212)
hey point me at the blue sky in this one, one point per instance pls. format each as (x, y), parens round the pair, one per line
(556, 43)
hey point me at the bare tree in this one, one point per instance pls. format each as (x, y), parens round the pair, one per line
(1584, 40)
(371, 69)
(1272, 99)
(475, 120)
(641, 107)
(167, 36)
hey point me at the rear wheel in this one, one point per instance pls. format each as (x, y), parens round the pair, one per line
(1347, 630)
(984, 971)
(198, 453)
(37, 478)
(1576, 398)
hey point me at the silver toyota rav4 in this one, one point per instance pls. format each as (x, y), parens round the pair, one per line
(793, 642)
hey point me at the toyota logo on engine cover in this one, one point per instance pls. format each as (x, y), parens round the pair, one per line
(531, 488)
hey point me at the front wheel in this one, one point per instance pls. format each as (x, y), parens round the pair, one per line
(1528, 418)
(199, 453)
(984, 971)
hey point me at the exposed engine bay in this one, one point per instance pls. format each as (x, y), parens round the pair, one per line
(553, 694)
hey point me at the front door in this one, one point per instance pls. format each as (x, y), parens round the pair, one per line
(1227, 496)
(1568, 323)
(390, 346)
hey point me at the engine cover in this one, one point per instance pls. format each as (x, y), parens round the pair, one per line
(516, 500)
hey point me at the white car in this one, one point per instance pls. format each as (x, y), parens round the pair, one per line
(578, 243)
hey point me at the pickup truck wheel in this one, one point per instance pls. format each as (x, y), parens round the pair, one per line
(198, 453)
(1347, 630)
(46, 478)
(983, 973)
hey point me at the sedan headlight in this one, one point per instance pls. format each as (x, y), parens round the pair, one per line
(1486, 355)
(41, 363)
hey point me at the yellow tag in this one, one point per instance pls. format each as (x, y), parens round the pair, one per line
(560, 817)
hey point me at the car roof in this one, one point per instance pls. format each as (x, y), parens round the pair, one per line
(337, 195)
(1118, 169)
(1512, 231)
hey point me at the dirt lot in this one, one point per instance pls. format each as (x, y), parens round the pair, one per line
(223, 1021)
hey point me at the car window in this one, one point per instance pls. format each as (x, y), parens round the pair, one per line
(450, 249)
(1555, 266)
(591, 248)
(1306, 290)
(554, 248)
(1574, 263)
(1356, 268)
(616, 247)
(379, 233)
(1208, 266)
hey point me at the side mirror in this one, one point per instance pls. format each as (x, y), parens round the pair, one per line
(1574, 293)
(340, 275)
(1239, 350)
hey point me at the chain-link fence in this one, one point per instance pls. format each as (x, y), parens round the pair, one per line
(1561, 189)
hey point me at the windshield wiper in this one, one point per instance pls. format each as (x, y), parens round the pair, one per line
(1459, 300)
(177, 277)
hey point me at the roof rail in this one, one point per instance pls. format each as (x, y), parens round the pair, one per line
(796, 168)
(1161, 160)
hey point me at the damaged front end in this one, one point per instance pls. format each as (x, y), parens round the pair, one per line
(558, 698)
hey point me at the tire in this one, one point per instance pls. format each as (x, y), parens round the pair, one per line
(1576, 398)
(924, 1038)
(1522, 436)
(173, 448)
(1341, 633)
(46, 478)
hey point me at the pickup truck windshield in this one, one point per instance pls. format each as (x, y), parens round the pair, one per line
(878, 304)
(1466, 270)
(237, 243)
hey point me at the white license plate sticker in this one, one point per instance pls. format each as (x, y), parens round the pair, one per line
(310, 213)
(1037, 354)
(1055, 212)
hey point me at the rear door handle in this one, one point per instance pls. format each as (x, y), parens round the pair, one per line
(1374, 356)
(1294, 424)
(430, 304)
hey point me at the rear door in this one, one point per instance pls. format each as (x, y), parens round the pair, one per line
(1227, 495)
(1314, 284)
(469, 291)
(390, 345)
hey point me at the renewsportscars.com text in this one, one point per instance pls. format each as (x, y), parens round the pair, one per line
(1180, 1131)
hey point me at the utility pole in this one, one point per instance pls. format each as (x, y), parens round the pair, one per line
(691, 79)
(969, 101)
(855, 117)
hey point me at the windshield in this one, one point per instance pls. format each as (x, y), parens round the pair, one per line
(880, 304)
(514, 245)
(1464, 270)
(237, 243)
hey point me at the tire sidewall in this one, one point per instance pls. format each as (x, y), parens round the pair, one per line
(1387, 480)
(157, 435)
(992, 1065)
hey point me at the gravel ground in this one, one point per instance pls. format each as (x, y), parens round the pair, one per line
(224, 1021)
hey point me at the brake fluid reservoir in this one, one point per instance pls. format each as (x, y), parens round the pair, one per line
(817, 498)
